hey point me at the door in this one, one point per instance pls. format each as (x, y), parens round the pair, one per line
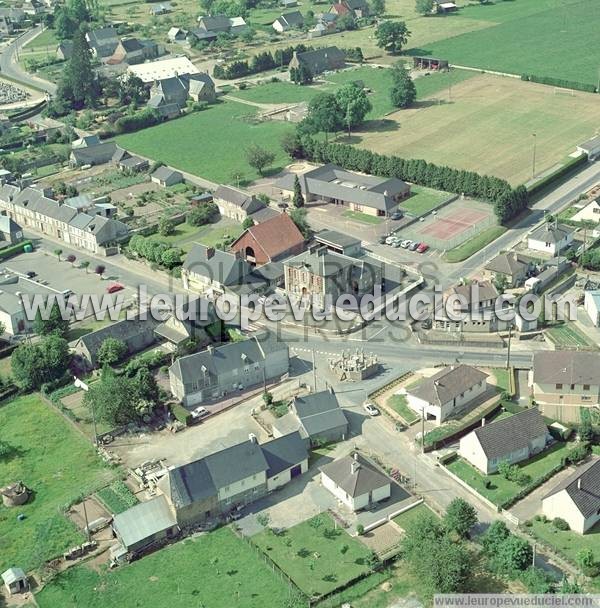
(295, 471)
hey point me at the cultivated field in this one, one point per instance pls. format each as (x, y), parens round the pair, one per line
(58, 465)
(216, 570)
(555, 41)
(488, 126)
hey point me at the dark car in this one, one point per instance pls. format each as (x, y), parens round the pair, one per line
(381, 239)
(397, 215)
(31, 274)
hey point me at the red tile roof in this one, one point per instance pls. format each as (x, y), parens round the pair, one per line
(276, 235)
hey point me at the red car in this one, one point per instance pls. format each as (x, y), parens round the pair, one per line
(422, 248)
(114, 288)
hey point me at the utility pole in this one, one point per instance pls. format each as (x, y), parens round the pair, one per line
(422, 430)
(314, 371)
(87, 525)
(533, 560)
(509, 341)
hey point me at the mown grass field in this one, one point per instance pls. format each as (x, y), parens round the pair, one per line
(552, 41)
(58, 465)
(502, 489)
(408, 517)
(211, 143)
(217, 570)
(486, 124)
(314, 561)
(422, 200)
(569, 335)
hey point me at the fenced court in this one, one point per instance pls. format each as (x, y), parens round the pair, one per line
(452, 225)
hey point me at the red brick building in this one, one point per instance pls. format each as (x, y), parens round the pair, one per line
(270, 241)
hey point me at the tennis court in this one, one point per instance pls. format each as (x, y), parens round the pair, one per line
(452, 225)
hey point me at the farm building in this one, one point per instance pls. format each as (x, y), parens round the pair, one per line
(165, 176)
(15, 581)
(319, 60)
(429, 63)
(338, 242)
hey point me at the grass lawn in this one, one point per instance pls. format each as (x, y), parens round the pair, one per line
(406, 518)
(502, 489)
(399, 405)
(316, 563)
(567, 543)
(552, 42)
(506, 110)
(216, 570)
(211, 143)
(501, 376)
(365, 218)
(568, 334)
(46, 40)
(278, 93)
(59, 465)
(422, 200)
(211, 234)
(475, 244)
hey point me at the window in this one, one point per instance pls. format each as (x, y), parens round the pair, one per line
(572, 387)
(559, 386)
(586, 387)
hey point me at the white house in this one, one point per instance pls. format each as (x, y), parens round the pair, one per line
(288, 21)
(355, 482)
(576, 499)
(589, 213)
(592, 305)
(550, 238)
(449, 391)
(512, 439)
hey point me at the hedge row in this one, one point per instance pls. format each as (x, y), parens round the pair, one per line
(181, 414)
(536, 483)
(13, 250)
(508, 202)
(558, 82)
(565, 169)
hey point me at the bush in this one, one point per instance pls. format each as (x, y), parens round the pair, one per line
(181, 414)
(578, 453)
(140, 120)
(560, 524)
(360, 529)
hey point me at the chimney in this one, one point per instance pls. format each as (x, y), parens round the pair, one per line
(355, 466)
(483, 421)
(331, 389)
(579, 484)
(252, 438)
(210, 252)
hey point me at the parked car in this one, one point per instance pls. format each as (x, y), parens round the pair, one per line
(422, 248)
(381, 240)
(397, 244)
(397, 215)
(114, 288)
(413, 245)
(390, 240)
(405, 244)
(199, 413)
(371, 409)
(30, 274)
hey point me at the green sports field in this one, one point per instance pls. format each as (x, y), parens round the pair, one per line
(540, 37)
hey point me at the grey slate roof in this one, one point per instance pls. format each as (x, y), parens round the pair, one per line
(583, 486)
(501, 438)
(335, 238)
(163, 173)
(482, 291)
(94, 155)
(223, 359)
(284, 453)
(220, 266)
(566, 367)
(365, 479)
(509, 263)
(144, 520)
(239, 198)
(319, 412)
(447, 384)
(550, 233)
(12, 287)
(293, 19)
(332, 181)
(218, 23)
(320, 60)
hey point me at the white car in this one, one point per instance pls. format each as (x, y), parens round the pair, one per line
(391, 240)
(405, 244)
(371, 409)
(199, 412)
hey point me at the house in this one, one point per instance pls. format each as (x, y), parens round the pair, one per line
(178, 89)
(15, 581)
(317, 417)
(64, 50)
(6, 26)
(160, 9)
(13, 288)
(288, 21)
(565, 382)
(97, 154)
(196, 35)
(96, 233)
(340, 9)
(145, 524)
(359, 8)
(356, 482)
(446, 393)
(102, 41)
(319, 60)
(235, 203)
(218, 371)
(165, 176)
(288, 3)
(270, 241)
(591, 147)
(176, 34)
(359, 192)
(211, 271)
(589, 213)
(10, 232)
(134, 51)
(576, 499)
(152, 71)
(221, 24)
(87, 141)
(137, 334)
(129, 162)
(512, 267)
(224, 481)
(339, 242)
(591, 304)
(319, 277)
(514, 439)
(445, 7)
(550, 237)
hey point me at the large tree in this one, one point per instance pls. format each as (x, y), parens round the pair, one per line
(424, 7)
(54, 324)
(403, 92)
(378, 7)
(35, 364)
(111, 351)
(78, 85)
(259, 158)
(324, 114)
(353, 103)
(460, 517)
(392, 36)
(298, 198)
(113, 399)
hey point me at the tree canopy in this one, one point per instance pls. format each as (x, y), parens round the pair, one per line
(35, 364)
(353, 103)
(259, 158)
(460, 517)
(392, 36)
(54, 324)
(403, 92)
(111, 351)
